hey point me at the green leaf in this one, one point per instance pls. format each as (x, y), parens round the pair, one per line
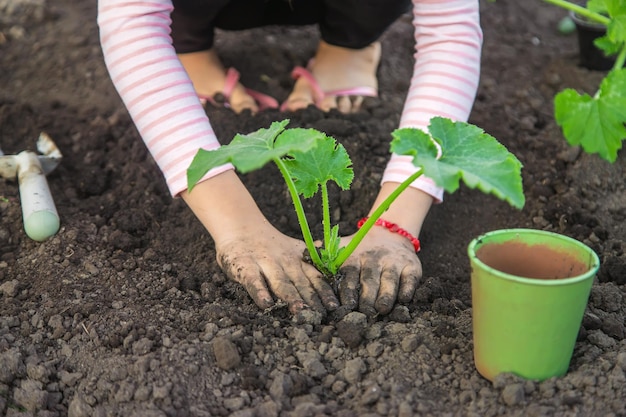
(598, 6)
(326, 161)
(615, 11)
(254, 150)
(607, 46)
(611, 7)
(595, 123)
(616, 31)
(468, 154)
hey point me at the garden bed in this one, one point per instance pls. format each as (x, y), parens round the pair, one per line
(125, 312)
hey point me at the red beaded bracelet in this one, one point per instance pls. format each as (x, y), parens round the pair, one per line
(395, 229)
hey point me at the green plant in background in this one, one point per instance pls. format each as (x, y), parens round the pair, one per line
(597, 123)
(308, 159)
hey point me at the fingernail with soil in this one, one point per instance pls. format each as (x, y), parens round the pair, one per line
(297, 307)
(266, 303)
(330, 302)
(349, 302)
(369, 311)
(384, 306)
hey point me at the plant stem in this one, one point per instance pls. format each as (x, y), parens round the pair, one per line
(304, 225)
(621, 58)
(581, 11)
(360, 234)
(619, 63)
(325, 214)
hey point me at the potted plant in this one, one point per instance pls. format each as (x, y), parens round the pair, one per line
(587, 33)
(597, 48)
(597, 122)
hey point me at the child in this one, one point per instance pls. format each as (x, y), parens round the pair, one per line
(163, 79)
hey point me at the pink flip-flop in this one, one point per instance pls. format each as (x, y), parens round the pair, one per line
(319, 94)
(232, 78)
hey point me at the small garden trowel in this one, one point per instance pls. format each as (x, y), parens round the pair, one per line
(39, 213)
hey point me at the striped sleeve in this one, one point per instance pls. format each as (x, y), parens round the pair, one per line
(142, 63)
(448, 42)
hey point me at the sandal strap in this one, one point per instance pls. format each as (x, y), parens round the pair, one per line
(306, 74)
(320, 94)
(263, 100)
(232, 78)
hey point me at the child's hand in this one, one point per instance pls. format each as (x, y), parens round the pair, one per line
(383, 270)
(267, 262)
(252, 252)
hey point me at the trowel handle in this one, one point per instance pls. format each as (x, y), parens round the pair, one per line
(39, 213)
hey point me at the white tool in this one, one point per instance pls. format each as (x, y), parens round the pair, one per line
(39, 213)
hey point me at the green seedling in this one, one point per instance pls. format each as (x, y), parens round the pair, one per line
(308, 159)
(597, 123)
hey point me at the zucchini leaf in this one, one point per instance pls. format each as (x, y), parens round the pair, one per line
(595, 123)
(252, 151)
(468, 154)
(327, 161)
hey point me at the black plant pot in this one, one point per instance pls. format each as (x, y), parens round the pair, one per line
(590, 56)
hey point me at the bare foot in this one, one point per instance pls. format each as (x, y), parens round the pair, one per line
(209, 76)
(337, 68)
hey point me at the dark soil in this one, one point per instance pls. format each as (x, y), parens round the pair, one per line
(125, 312)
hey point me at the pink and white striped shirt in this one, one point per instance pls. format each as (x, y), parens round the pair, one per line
(142, 63)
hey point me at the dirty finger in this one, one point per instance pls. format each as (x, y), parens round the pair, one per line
(284, 289)
(349, 286)
(388, 292)
(323, 289)
(409, 278)
(301, 282)
(252, 280)
(370, 284)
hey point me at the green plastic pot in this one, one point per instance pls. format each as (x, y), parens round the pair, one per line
(529, 292)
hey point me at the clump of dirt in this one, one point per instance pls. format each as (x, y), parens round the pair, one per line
(125, 312)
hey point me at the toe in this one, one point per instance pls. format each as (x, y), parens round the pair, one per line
(240, 101)
(296, 103)
(344, 104)
(357, 102)
(301, 96)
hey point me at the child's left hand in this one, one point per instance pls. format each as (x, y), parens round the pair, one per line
(383, 270)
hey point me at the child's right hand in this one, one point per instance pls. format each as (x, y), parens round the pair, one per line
(252, 252)
(267, 262)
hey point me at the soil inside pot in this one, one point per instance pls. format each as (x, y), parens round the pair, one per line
(530, 261)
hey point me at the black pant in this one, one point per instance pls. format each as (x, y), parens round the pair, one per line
(346, 23)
